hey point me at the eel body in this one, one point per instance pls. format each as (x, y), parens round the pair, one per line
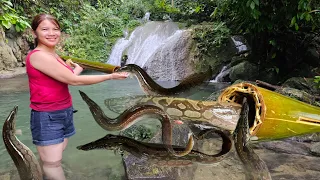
(133, 115)
(254, 166)
(23, 158)
(150, 87)
(156, 153)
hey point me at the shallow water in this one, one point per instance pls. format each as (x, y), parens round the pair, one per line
(96, 164)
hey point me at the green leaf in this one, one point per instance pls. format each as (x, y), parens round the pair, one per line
(198, 9)
(301, 16)
(18, 29)
(308, 17)
(252, 5)
(272, 42)
(214, 13)
(257, 2)
(8, 3)
(6, 24)
(293, 21)
(296, 26)
(248, 3)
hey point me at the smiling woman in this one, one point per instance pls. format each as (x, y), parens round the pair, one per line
(51, 121)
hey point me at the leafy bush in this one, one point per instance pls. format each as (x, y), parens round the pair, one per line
(210, 40)
(99, 28)
(317, 80)
(9, 17)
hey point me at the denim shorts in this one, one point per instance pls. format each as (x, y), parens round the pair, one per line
(52, 127)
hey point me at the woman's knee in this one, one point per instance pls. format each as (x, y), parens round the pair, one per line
(51, 153)
(51, 164)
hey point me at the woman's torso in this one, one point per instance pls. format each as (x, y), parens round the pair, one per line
(46, 93)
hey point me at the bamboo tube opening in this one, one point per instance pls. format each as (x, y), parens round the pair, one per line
(237, 92)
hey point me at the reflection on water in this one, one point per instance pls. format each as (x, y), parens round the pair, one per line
(77, 164)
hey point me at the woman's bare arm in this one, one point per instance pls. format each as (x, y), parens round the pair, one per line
(47, 64)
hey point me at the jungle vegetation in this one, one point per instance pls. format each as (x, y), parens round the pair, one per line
(279, 30)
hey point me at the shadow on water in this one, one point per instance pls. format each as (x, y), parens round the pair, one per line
(77, 164)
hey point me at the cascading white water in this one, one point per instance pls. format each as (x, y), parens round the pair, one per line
(142, 43)
(116, 53)
(224, 71)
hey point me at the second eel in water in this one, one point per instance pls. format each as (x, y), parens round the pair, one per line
(131, 116)
(156, 153)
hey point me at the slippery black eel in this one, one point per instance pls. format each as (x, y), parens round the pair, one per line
(150, 87)
(23, 158)
(255, 168)
(156, 153)
(131, 116)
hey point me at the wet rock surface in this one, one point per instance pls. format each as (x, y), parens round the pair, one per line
(18, 83)
(287, 159)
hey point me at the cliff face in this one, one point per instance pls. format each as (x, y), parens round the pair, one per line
(13, 49)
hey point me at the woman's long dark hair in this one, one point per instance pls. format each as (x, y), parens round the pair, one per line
(38, 19)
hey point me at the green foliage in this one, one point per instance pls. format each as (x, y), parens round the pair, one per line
(274, 15)
(304, 15)
(210, 41)
(9, 17)
(161, 9)
(99, 28)
(317, 80)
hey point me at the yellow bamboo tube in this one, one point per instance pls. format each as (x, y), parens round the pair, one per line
(276, 116)
(97, 66)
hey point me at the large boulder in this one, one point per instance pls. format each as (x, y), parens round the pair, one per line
(244, 70)
(7, 58)
(14, 48)
(173, 60)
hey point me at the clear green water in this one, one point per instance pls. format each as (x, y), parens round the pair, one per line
(95, 164)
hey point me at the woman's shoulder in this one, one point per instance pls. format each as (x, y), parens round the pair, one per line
(40, 55)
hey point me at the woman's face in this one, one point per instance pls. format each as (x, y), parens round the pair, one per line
(48, 33)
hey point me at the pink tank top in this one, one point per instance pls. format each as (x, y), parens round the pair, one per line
(46, 93)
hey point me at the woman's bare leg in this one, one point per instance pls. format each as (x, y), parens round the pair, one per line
(65, 143)
(51, 157)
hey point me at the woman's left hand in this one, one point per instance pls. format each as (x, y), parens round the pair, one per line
(120, 75)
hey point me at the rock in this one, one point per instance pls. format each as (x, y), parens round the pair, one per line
(315, 149)
(244, 70)
(5, 177)
(240, 44)
(291, 147)
(178, 48)
(13, 51)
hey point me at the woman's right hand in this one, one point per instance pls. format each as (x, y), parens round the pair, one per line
(120, 75)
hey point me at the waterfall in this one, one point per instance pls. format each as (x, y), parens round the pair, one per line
(146, 17)
(219, 78)
(116, 53)
(142, 43)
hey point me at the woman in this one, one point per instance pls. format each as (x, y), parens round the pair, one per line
(51, 119)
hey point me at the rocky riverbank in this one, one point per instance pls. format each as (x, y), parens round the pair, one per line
(13, 81)
(4, 74)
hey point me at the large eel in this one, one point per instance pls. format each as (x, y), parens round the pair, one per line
(255, 167)
(211, 113)
(150, 87)
(131, 116)
(24, 159)
(156, 153)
